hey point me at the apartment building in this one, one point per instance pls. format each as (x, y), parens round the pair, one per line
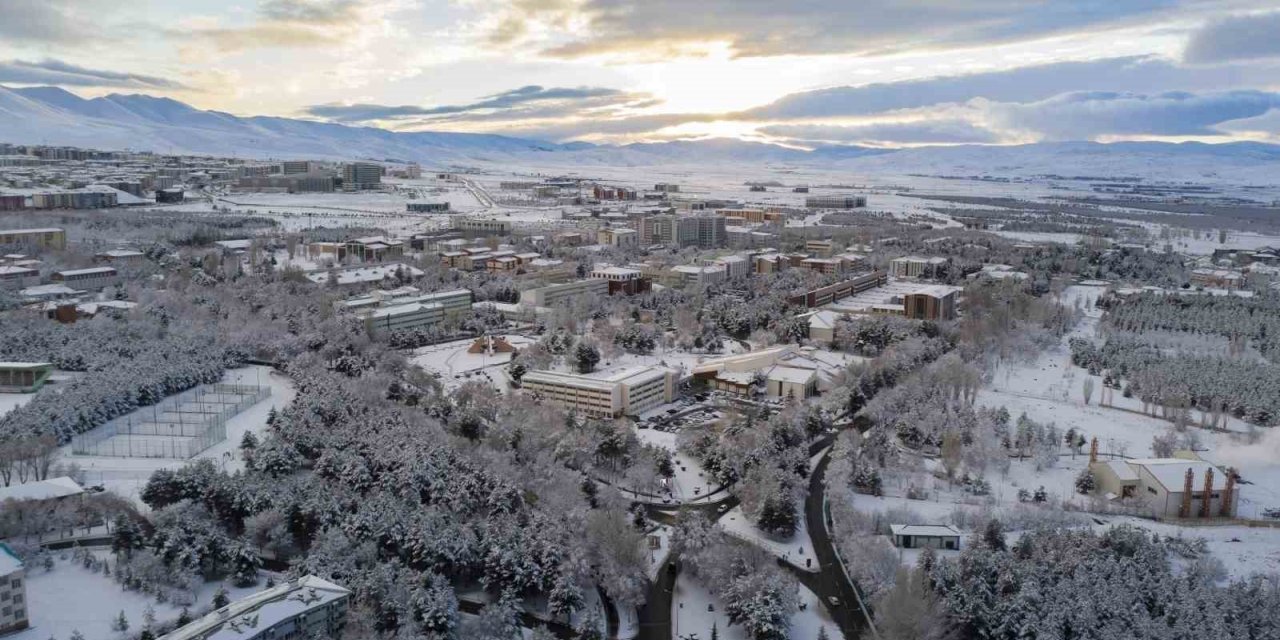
(835, 202)
(87, 279)
(613, 394)
(916, 267)
(308, 607)
(484, 227)
(560, 293)
(13, 591)
(74, 199)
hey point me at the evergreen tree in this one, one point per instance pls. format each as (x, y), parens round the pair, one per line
(221, 598)
(120, 624)
(993, 535)
(1085, 483)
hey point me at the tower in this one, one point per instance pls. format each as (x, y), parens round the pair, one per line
(1207, 496)
(1184, 511)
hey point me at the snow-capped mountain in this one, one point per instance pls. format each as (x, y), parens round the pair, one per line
(49, 115)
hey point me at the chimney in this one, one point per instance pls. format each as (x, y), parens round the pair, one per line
(1227, 494)
(1185, 510)
(1093, 450)
(1206, 497)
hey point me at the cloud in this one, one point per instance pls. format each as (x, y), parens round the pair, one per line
(1024, 84)
(1249, 37)
(940, 131)
(295, 24)
(770, 28)
(530, 101)
(311, 11)
(41, 21)
(1090, 115)
(56, 72)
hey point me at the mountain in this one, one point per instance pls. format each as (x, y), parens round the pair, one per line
(49, 115)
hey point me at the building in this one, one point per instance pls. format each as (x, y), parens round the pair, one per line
(23, 377)
(1217, 278)
(559, 293)
(734, 266)
(309, 182)
(13, 591)
(359, 176)
(428, 207)
(50, 238)
(786, 371)
(384, 312)
(59, 488)
(483, 227)
(164, 196)
(937, 302)
(795, 383)
(916, 267)
(822, 326)
(308, 607)
(618, 237)
(688, 274)
(657, 230)
(823, 265)
(291, 167)
(925, 536)
(621, 279)
(364, 275)
(703, 231)
(75, 199)
(13, 278)
(840, 290)
(1178, 487)
(375, 249)
(835, 202)
(628, 391)
(121, 256)
(87, 279)
(820, 248)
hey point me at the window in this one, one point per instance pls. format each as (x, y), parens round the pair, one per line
(17, 598)
(6, 612)
(4, 597)
(17, 582)
(20, 613)
(1152, 491)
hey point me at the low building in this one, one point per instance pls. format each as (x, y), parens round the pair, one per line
(308, 607)
(835, 202)
(164, 196)
(1178, 487)
(14, 615)
(1217, 278)
(688, 274)
(560, 293)
(428, 207)
(87, 279)
(389, 313)
(621, 279)
(925, 536)
(375, 249)
(13, 278)
(840, 290)
(121, 256)
(822, 326)
(795, 383)
(483, 227)
(629, 391)
(23, 377)
(364, 275)
(618, 237)
(59, 488)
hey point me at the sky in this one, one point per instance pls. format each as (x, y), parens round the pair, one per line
(803, 73)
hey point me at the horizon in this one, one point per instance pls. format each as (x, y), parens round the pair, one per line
(618, 72)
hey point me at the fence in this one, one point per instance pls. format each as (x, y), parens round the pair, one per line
(179, 426)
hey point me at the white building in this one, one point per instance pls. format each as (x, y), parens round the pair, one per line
(915, 267)
(558, 293)
(13, 591)
(925, 536)
(689, 274)
(628, 391)
(87, 279)
(308, 607)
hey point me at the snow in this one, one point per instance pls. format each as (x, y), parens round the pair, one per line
(451, 360)
(694, 609)
(71, 597)
(691, 480)
(127, 476)
(11, 401)
(795, 549)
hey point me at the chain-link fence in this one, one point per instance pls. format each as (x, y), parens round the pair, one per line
(179, 426)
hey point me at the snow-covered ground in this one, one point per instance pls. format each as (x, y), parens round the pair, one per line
(71, 598)
(127, 476)
(11, 401)
(796, 549)
(694, 610)
(454, 365)
(691, 480)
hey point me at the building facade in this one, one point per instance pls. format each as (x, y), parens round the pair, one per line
(13, 592)
(308, 607)
(607, 394)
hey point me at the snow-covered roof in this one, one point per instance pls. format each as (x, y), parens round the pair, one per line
(41, 490)
(935, 291)
(823, 319)
(1171, 473)
(24, 365)
(84, 272)
(9, 561)
(44, 290)
(7, 270)
(1122, 470)
(943, 530)
(247, 617)
(792, 374)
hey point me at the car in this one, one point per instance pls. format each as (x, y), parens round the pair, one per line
(834, 601)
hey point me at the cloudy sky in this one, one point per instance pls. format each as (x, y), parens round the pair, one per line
(798, 72)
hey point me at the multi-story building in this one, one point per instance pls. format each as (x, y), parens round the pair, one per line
(916, 267)
(702, 231)
(375, 249)
(50, 238)
(935, 302)
(1217, 278)
(74, 199)
(820, 248)
(840, 290)
(835, 202)
(617, 237)
(12, 202)
(621, 279)
(384, 314)
(310, 182)
(13, 278)
(428, 207)
(657, 230)
(290, 167)
(87, 279)
(629, 391)
(558, 293)
(308, 607)
(13, 591)
(357, 176)
(823, 265)
(484, 227)
(688, 274)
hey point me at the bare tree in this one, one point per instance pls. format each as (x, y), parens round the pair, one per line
(1087, 389)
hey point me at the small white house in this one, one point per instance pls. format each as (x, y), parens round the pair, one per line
(922, 536)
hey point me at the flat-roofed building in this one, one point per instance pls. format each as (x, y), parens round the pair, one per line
(482, 226)
(87, 279)
(840, 290)
(554, 294)
(121, 256)
(688, 274)
(823, 248)
(428, 207)
(308, 607)
(925, 536)
(916, 267)
(402, 313)
(937, 302)
(611, 394)
(13, 278)
(358, 176)
(621, 279)
(375, 249)
(47, 238)
(1180, 487)
(835, 202)
(618, 237)
(14, 613)
(23, 377)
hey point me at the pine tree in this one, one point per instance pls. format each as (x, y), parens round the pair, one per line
(1085, 483)
(993, 535)
(220, 598)
(120, 624)
(184, 618)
